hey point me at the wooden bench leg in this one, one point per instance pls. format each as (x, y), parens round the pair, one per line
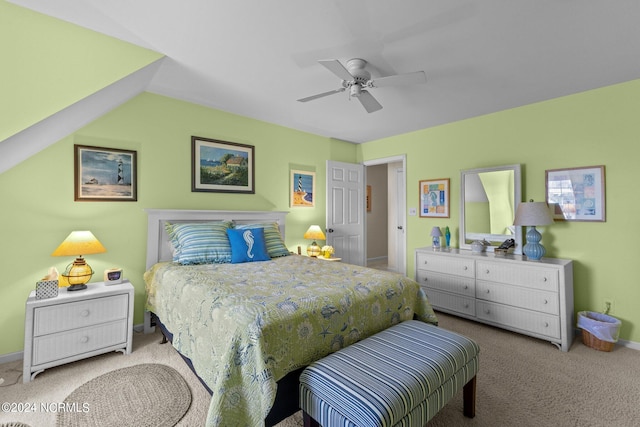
(469, 398)
(307, 421)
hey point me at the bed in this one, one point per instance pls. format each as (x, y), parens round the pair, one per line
(249, 328)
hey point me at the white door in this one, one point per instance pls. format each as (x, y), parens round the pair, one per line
(401, 236)
(345, 211)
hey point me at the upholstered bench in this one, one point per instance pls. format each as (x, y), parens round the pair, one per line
(401, 376)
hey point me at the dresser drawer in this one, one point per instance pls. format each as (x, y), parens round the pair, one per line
(451, 302)
(53, 347)
(73, 315)
(443, 264)
(543, 301)
(534, 277)
(513, 317)
(444, 282)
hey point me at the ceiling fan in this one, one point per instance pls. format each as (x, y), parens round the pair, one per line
(357, 79)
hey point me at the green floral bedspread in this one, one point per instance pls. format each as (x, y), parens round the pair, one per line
(245, 326)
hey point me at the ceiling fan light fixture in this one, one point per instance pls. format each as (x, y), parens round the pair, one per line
(357, 79)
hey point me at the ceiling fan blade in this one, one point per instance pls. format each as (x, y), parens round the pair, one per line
(416, 77)
(321, 95)
(369, 102)
(337, 68)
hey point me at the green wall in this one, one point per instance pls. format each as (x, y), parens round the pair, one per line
(38, 209)
(48, 64)
(598, 127)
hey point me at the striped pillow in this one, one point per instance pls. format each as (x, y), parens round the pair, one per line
(273, 239)
(200, 243)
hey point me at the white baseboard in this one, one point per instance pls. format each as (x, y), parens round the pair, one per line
(629, 344)
(11, 357)
(376, 259)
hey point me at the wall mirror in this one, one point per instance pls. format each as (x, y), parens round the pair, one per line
(488, 201)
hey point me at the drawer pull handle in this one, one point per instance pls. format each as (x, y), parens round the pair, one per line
(84, 313)
(466, 306)
(426, 278)
(546, 325)
(546, 302)
(487, 311)
(84, 339)
(466, 268)
(425, 262)
(466, 287)
(544, 279)
(488, 291)
(487, 271)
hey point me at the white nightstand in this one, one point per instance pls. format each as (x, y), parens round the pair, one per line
(329, 259)
(76, 325)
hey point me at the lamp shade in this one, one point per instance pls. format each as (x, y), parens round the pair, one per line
(314, 233)
(79, 243)
(435, 232)
(533, 214)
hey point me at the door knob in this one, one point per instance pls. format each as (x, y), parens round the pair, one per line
(330, 230)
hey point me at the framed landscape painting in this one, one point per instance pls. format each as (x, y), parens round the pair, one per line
(303, 188)
(104, 174)
(221, 166)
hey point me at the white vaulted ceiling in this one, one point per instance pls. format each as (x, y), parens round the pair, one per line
(256, 58)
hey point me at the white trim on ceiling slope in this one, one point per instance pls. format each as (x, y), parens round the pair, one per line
(36, 138)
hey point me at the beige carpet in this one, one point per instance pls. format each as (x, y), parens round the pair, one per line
(522, 381)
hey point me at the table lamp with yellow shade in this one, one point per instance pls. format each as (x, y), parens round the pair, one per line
(314, 233)
(79, 243)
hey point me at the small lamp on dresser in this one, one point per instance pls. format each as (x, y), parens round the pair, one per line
(532, 214)
(436, 234)
(79, 243)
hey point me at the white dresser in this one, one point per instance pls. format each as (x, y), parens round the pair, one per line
(76, 325)
(530, 297)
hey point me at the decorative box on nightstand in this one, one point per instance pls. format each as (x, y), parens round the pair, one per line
(76, 325)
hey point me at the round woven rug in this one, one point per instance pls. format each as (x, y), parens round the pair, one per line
(146, 395)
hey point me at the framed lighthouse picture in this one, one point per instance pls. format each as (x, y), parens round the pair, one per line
(303, 189)
(105, 174)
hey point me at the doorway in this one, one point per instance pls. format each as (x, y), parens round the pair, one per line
(386, 214)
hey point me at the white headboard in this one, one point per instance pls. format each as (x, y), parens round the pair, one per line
(158, 246)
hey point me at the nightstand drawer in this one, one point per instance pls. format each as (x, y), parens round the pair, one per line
(71, 343)
(74, 315)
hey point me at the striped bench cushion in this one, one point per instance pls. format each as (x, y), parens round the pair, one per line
(401, 376)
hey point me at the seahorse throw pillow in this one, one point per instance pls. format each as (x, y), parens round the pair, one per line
(247, 245)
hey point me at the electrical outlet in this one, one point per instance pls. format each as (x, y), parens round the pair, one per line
(608, 306)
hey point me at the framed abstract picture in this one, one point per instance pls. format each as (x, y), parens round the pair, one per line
(576, 194)
(302, 189)
(221, 166)
(434, 198)
(104, 174)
